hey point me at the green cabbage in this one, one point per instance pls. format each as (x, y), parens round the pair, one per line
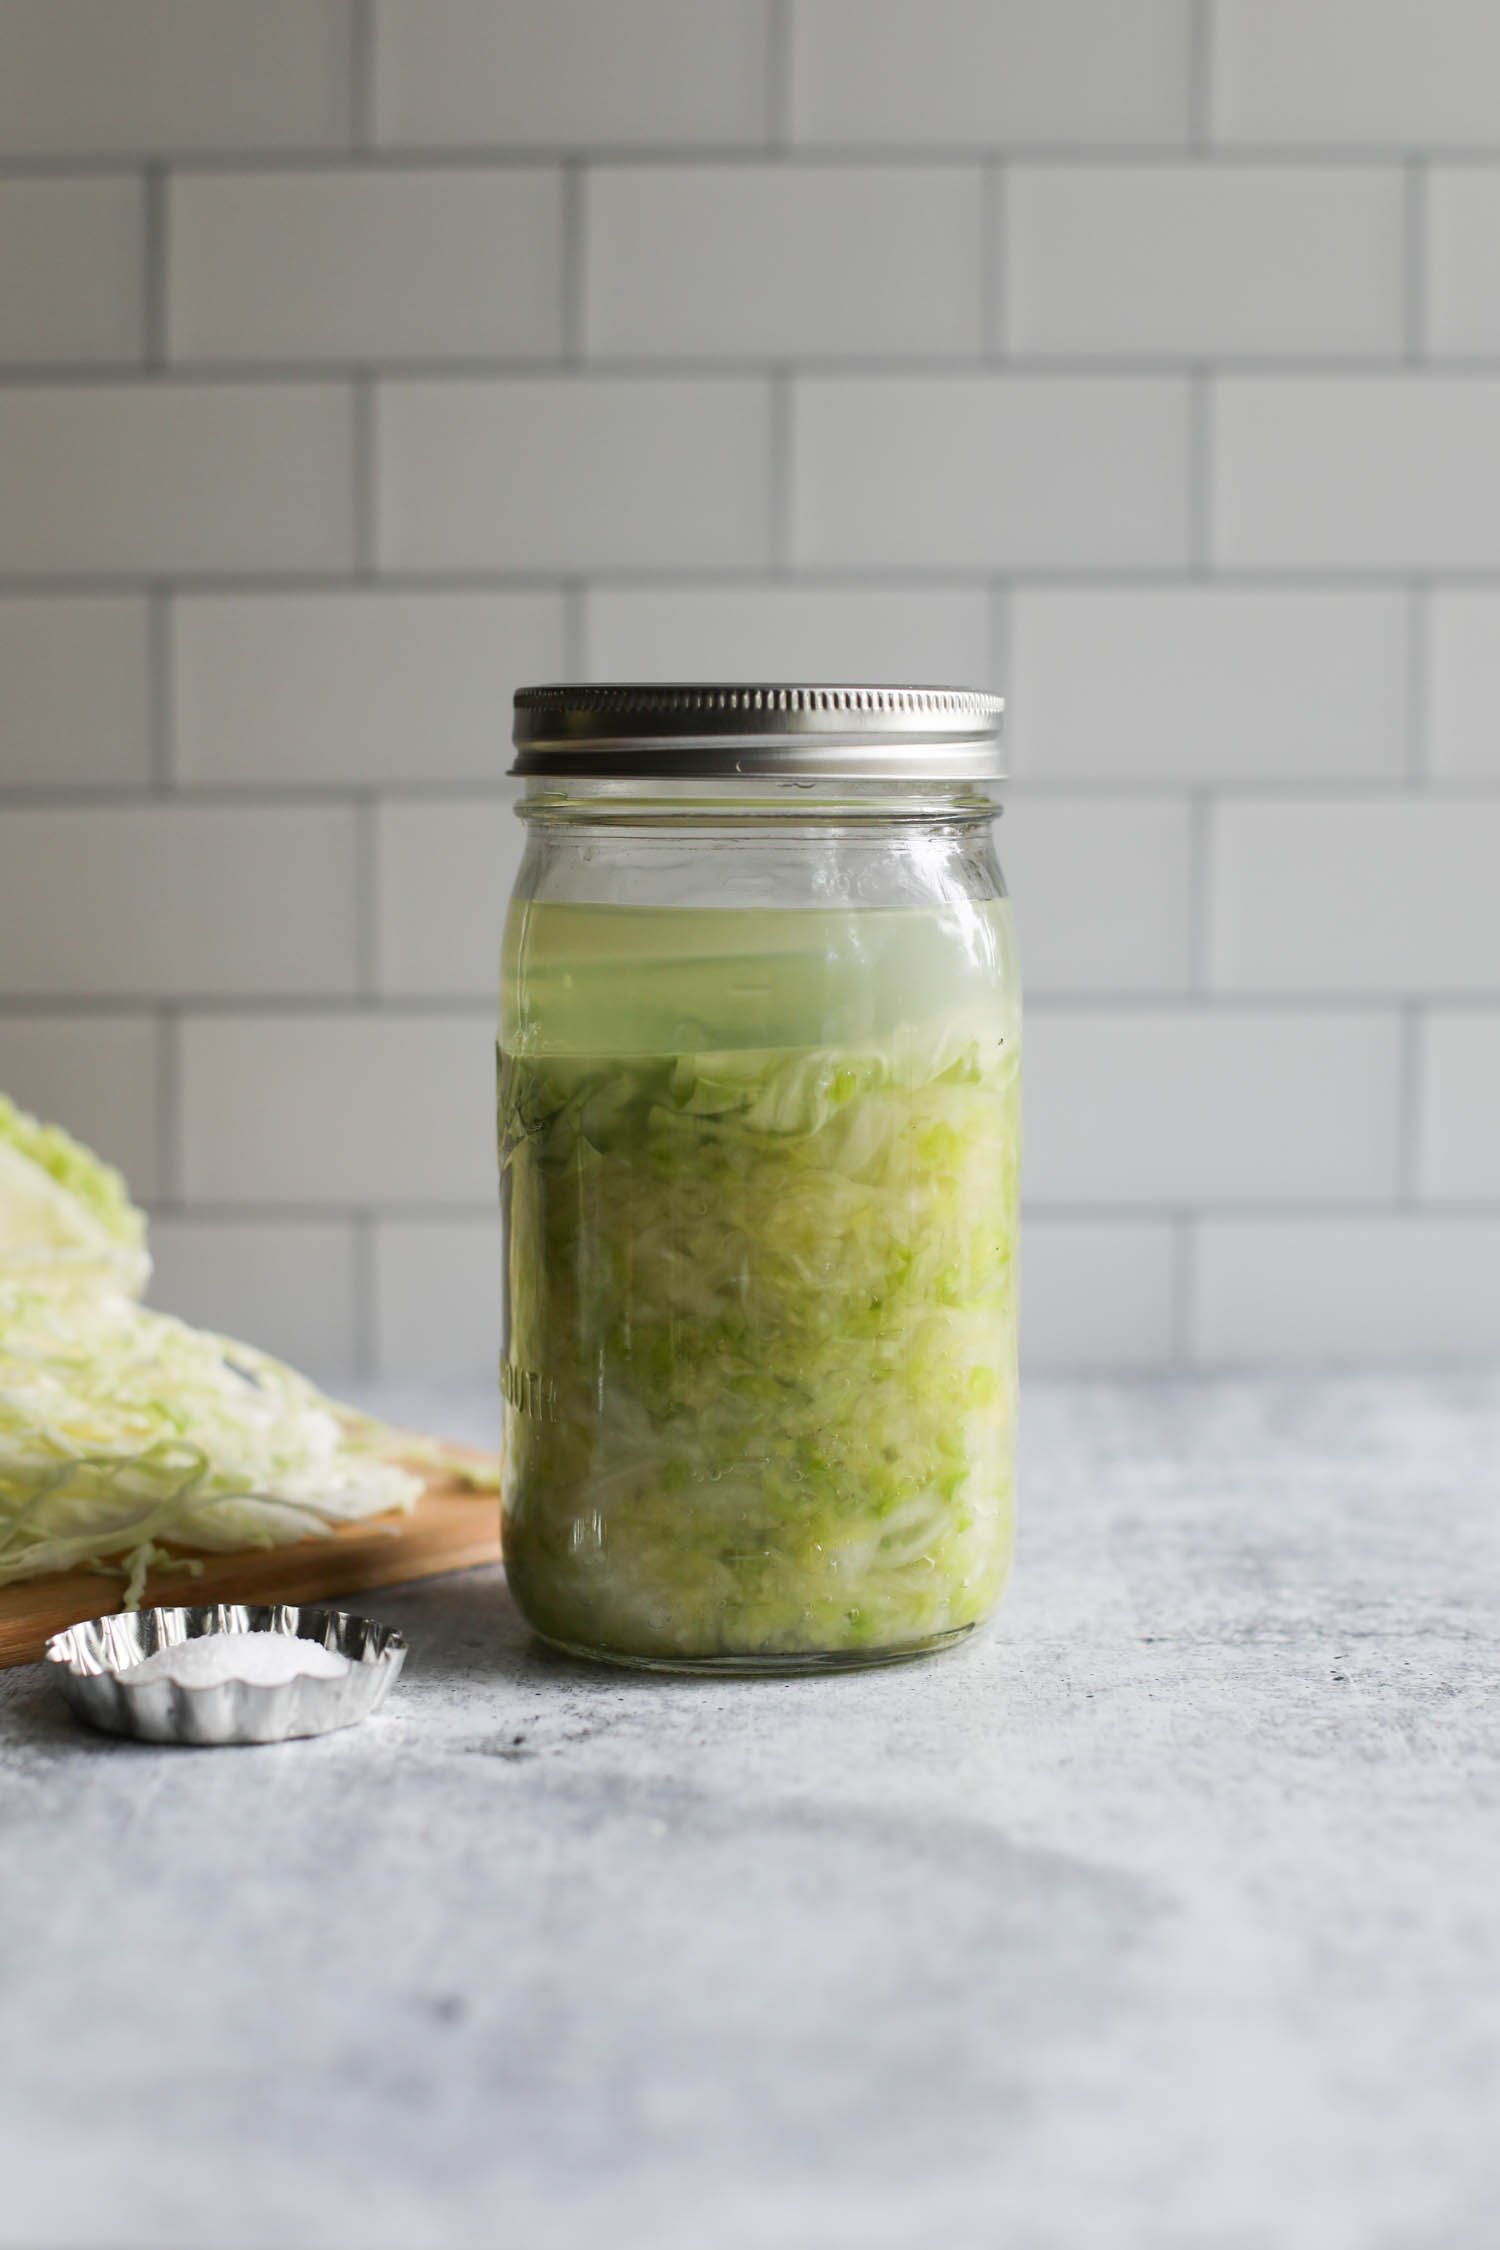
(760, 1380)
(122, 1429)
(66, 1219)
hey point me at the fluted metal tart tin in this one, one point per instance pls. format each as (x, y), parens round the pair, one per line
(91, 1659)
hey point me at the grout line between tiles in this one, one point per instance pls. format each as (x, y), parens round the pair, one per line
(1097, 369)
(1414, 259)
(573, 251)
(169, 1105)
(367, 899)
(1201, 76)
(366, 1323)
(779, 75)
(1200, 900)
(1409, 1104)
(1200, 471)
(362, 76)
(364, 473)
(154, 276)
(918, 153)
(781, 483)
(994, 279)
(1418, 678)
(1183, 1283)
(160, 747)
(753, 573)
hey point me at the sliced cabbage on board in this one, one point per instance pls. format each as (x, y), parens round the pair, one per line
(128, 1439)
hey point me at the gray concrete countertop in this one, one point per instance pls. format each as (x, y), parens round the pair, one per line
(1166, 1914)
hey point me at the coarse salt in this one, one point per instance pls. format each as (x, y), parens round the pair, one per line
(259, 1659)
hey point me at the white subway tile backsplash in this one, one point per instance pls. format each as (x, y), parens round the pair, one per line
(1096, 1295)
(437, 1298)
(1355, 73)
(1463, 714)
(366, 264)
(99, 1076)
(763, 632)
(1251, 261)
(285, 1286)
(147, 478)
(1273, 1292)
(74, 696)
(1103, 891)
(971, 472)
(445, 873)
(1391, 896)
(1462, 294)
(1186, 1105)
(1459, 1130)
(338, 1109)
(365, 359)
(575, 473)
(882, 73)
(767, 261)
(72, 270)
(580, 73)
(152, 900)
(1373, 472)
(332, 689)
(138, 77)
(1207, 683)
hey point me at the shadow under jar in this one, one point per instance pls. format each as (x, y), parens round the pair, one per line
(759, 1065)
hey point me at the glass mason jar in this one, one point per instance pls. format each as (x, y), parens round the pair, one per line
(759, 1141)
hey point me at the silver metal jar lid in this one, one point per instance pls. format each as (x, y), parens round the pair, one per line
(714, 730)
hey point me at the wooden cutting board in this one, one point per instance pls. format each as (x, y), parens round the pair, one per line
(451, 1527)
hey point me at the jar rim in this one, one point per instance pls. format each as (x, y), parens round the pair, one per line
(728, 729)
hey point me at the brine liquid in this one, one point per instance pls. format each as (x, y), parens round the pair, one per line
(622, 980)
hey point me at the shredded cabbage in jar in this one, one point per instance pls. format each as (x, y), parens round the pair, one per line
(760, 1379)
(129, 1440)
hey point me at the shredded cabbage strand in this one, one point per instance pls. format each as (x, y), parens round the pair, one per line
(125, 1435)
